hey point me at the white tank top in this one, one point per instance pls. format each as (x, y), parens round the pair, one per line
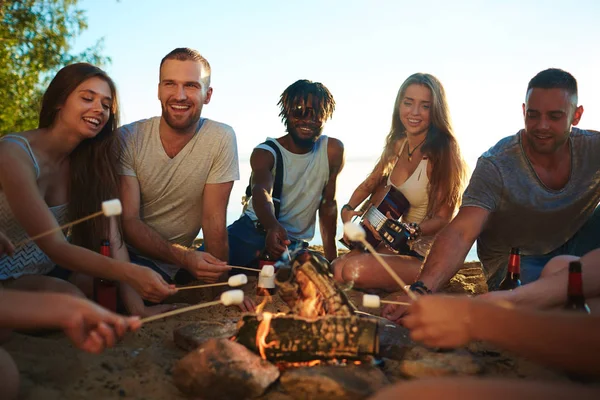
(304, 178)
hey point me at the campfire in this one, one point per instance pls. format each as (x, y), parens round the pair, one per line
(322, 325)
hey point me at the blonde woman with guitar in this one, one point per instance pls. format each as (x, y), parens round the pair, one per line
(414, 189)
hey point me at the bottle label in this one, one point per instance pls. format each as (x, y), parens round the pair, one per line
(514, 264)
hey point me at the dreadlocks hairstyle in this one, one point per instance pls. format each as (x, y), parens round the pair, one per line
(92, 165)
(448, 174)
(187, 54)
(322, 100)
(554, 78)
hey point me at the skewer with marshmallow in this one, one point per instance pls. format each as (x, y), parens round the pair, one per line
(233, 281)
(231, 297)
(373, 301)
(356, 233)
(267, 270)
(110, 208)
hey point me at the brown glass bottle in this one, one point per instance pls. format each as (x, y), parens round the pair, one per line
(105, 291)
(512, 279)
(575, 297)
(266, 284)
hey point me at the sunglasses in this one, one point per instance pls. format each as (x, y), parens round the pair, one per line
(300, 112)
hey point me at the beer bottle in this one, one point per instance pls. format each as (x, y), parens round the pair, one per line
(512, 279)
(105, 291)
(575, 297)
(266, 284)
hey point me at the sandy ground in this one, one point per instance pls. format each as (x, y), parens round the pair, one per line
(140, 366)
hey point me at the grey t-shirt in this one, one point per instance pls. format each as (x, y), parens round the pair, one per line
(171, 189)
(525, 213)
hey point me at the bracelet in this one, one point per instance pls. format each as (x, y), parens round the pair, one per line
(348, 206)
(420, 288)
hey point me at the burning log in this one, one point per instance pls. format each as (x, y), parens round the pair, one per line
(291, 338)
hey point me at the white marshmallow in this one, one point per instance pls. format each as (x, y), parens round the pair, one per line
(237, 280)
(355, 232)
(267, 270)
(371, 301)
(232, 297)
(112, 207)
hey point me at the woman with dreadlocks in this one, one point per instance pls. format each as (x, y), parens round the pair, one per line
(309, 163)
(421, 160)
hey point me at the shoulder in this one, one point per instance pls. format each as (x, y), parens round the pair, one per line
(138, 129)
(335, 150)
(504, 148)
(218, 128)
(13, 156)
(585, 135)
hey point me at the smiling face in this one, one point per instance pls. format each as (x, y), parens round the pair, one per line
(87, 108)
(415, 109)
(304, 123)
(549, 115)
(183, 90)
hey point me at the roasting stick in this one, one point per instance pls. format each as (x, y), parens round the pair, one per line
(357, 234)
(373, 301)
(109, 209)
(234, 281)
(227, 298)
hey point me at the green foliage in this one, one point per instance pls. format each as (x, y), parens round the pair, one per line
(36, 37)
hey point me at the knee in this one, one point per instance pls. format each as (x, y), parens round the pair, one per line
(337, 267)
(10, 376)
(557, 264)
(350, 271)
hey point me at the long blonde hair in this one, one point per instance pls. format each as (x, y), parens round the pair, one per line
(448, 175)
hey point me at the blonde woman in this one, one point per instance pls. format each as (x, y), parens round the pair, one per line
(421, 160)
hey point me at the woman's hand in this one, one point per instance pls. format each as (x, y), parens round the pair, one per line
(150, 285)
(6, 246)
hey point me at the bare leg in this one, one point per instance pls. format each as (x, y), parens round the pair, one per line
(42, 283)
(366, 272)
(489, 389)
(551, 289)
(9, 383)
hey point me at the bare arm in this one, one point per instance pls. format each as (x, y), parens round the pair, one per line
(214, 219)
(451, 247)
(328, 207)
(364, 190)
(440, 219)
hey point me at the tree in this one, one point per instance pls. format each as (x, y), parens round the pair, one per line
(36, 37)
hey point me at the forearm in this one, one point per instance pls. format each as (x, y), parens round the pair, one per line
(264, 208)
(151, 244)
(564, 340)
(359, 195)
(433, 226)
(327, 221)
(217, 243)
(445, 258)
(26, 310)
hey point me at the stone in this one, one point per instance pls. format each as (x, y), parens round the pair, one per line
(223, 369)
(351, 382)
(190, 336)
(420, 362)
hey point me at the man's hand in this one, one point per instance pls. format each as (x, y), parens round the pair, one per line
(6, 246)
(150, 285)
(93, 328)
(396, 312)
(205, 266)
(276, 241)
(441, 321)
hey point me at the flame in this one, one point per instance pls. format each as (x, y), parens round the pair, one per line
(261, 306)
(312, 305)
(261, 334)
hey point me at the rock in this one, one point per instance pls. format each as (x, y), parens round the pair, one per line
(222, 369)
(191, 336)
(333, 382)
(394, 340)
(420, 362)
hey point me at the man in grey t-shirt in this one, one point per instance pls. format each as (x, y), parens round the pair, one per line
(537, 190)
(177, 172)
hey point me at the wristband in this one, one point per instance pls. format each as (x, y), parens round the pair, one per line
(420, 288)
(348, 206)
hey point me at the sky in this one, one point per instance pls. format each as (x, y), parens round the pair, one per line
(483, 52)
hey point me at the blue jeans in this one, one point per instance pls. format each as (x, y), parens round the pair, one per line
(584, 241)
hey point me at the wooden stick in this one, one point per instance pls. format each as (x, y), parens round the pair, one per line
(249, 269)
(60, 228)
(402, 303)
(179, 311)
(203, 286)
(389, 269)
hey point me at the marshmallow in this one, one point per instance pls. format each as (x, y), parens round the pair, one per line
(371, 301)
(232, 297)
(112, 207)
(237, 280)
(355, 232)
(267, 270)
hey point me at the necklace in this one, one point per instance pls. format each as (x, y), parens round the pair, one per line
(410, 153)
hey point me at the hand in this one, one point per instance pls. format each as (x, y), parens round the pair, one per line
(247, 305)
(396, 312)
(6, 246)
(205, 266)
(276, 241)
(348, 215)
(91, 327)
(150, 285)
(372, 229)
(441, 321)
